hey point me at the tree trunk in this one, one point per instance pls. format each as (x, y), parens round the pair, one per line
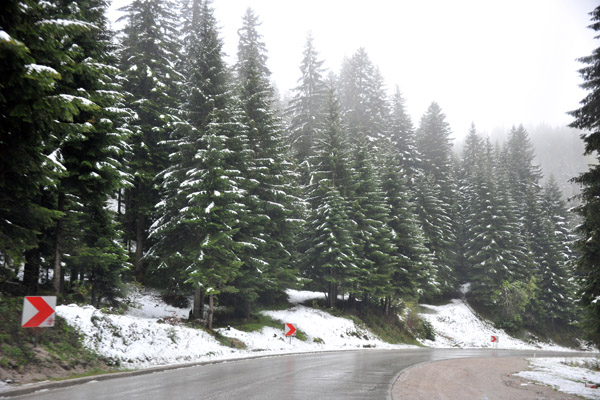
(58, 238)
(332, 288)
(31, 275)
(140, 240)
(119, 203)
(198, 302)
(388, 301)
(210, 311)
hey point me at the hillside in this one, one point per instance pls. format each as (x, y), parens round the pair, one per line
(151, 333)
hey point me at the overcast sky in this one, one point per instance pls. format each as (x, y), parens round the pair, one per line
(494, 63)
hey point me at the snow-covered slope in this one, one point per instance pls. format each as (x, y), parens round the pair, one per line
(151, 333)
(456, 325)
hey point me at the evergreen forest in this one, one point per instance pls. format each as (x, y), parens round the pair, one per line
(144, 156)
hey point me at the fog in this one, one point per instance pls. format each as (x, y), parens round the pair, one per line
(496, 64)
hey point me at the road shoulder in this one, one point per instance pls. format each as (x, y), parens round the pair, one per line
(471, 379)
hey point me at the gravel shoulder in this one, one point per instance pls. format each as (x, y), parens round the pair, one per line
(471, 379)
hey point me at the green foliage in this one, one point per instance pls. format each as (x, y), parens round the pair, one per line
(514, 298)
(588, 262)
(147, 58)
(229, 342)
(259, 321)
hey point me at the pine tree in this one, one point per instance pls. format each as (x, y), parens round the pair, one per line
(437, 204)
(555, 299)
(372, 236)
(472, 152)
(328, 248)
(435, 147)
(148, 59)
(306, 106)
(488, 248)
(586, 117)
(413, 271)
(401, 135)
(88, 140)
(436, 225)
(203, 187)
(522, 172)
(329, 255)
(362, 98)
(268, 226)
(26, 107)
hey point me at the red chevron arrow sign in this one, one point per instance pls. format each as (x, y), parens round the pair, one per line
(290, 330)
(38, 311)
(494, 339)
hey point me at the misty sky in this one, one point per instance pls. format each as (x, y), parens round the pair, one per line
(496, 64)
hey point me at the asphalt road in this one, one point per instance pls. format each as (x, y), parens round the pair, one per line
(364, 374)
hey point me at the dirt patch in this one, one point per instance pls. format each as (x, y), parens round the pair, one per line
(471, 379)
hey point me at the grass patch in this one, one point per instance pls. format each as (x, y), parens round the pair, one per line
(228, 341)
(58, 348)
(91, 372)
(259, 322)
(389, 328)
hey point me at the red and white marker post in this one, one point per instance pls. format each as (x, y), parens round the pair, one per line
(38, 312)
(290, 330)
(495, 340)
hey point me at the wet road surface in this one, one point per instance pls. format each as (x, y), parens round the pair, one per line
(362, 374)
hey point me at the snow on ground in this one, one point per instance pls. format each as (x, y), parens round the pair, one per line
(329, 331)
(141, 342)
(150, 332)
(148, 304)
(300, 296)
(565, 375)
(456, 325)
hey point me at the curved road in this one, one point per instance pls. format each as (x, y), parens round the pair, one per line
(363, 374)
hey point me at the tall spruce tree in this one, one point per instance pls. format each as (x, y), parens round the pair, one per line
(556, 287)
(268, 228)
(148, 58)
(89, 141)
(587, 118)
(438, 214)
(362, 98)
(488, 250)
(329, 259)
(27, 107)
(306, 106)
(472, 151)
(203, 187)
(414, 269)
(401, 135)
(371, 233)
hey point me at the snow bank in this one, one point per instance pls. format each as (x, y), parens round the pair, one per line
(150, 333)
(300, 296)
(328, 331)
(564, 375)
(456, 325)
(141, 342)
(148, 304)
